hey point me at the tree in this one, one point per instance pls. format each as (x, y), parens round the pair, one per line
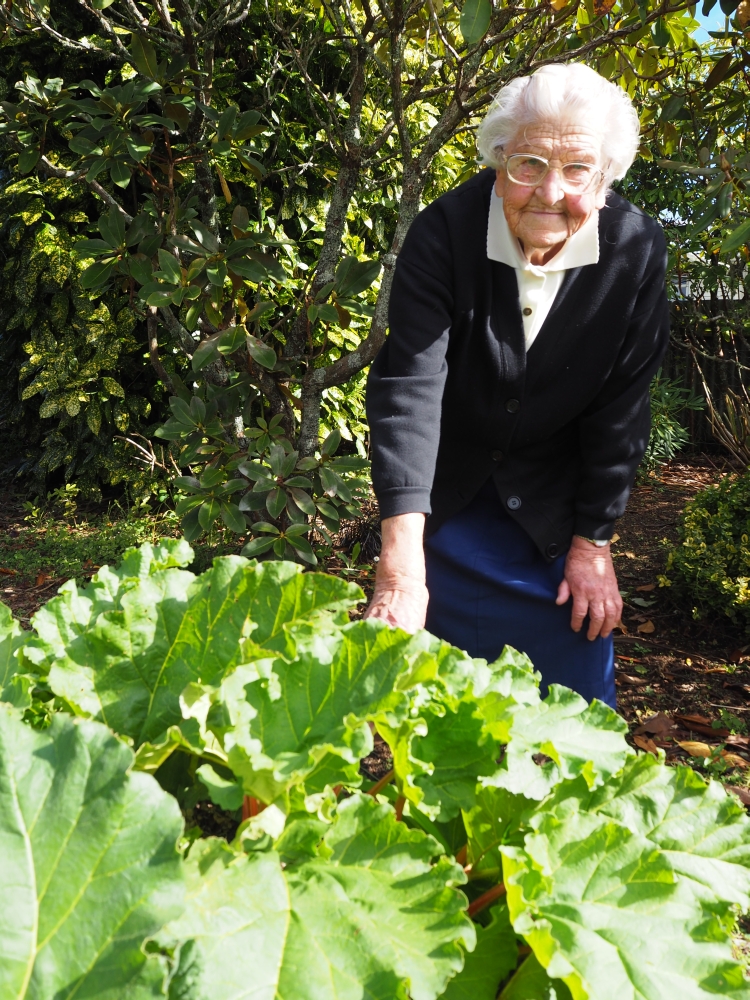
(365, 107)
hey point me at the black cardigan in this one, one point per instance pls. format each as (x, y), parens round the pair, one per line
(454, 398)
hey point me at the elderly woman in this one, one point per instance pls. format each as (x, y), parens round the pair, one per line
(509, 407)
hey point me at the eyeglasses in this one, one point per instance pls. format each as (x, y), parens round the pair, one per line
(575, 178)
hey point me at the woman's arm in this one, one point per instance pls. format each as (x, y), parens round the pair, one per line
(400, 593)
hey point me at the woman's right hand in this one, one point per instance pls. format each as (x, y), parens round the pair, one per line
(400, 596)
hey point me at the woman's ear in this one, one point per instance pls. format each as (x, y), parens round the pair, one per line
(601, 196)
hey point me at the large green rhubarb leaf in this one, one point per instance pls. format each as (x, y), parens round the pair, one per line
(129, 665)
(465, 709)
(498, 818)
(439, 758)
(370, 917)
(604, 911)
(14, 685)
(704, 832)
(305, 721)
(501, 689)
(68, 615)
(88, 863)
(531, 982)
(494, 957)
(121, 669)
(578, 738)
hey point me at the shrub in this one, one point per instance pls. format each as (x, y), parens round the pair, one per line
(76, 380)
(710, 566)
(669, 401)
(522, 847)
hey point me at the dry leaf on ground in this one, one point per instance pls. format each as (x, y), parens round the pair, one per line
(735, 656)
(644, 743)
(694, 748)
(658, 725)
(743, 794)
(647, 587)
(734, 759)
(629, 679)
(647, 628)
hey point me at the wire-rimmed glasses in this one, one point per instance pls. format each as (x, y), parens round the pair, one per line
(530, 171)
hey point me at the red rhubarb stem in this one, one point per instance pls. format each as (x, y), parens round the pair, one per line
(380, 785)
(486, 899)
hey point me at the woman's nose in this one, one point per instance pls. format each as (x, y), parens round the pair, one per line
(550, 190)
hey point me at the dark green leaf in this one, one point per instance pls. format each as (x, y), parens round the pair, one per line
(143, 55)
(260, 352)
(251, 270)
(257, 546)
(92, 248)
(275, 502)
(112, 228)
(719, 72)
(303, 501)
(170, 267)
(231, 515)
(97, 274)
(27, 160)
(531, 982)
(208, 513)
(354, 276)
(327, 313)
(331, 443)
(737, 238)
(205, 351)
(226, 121)
(120, 174)
(475, 20)
(240, 216)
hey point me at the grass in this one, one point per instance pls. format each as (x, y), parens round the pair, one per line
(57, 542)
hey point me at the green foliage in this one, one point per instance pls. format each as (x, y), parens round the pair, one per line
(710, 566)
(77, 381)
(81, 891)
(668, 435)
(254, 196)
(249, 682)
(284, 497)
(370, 879)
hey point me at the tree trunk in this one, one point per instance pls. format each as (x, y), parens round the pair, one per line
(309, 431)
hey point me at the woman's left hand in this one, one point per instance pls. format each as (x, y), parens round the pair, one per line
(590, 580)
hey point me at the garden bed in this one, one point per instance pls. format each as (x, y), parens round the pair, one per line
(694, 676)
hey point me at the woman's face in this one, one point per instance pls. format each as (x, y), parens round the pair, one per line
(542, 218)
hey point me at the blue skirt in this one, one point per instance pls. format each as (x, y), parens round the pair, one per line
(490, 586)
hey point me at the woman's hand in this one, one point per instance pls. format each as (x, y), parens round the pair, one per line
(590, 579)
(400, 593)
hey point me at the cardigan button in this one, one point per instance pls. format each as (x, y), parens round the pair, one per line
(513, 503)
(553, 550)
(512, 406)
(498, 456)
(527, 311)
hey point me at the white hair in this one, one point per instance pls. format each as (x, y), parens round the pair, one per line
(568, 94)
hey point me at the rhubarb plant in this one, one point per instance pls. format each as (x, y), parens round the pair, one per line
(519, 848)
